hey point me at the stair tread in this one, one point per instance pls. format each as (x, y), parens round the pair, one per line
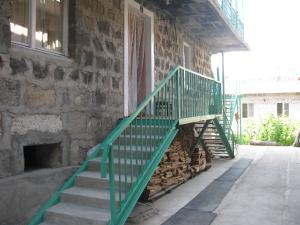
(127, 147)
(123, 161)
(47, 223)
(96, 175)
(89, 192)
(84, 212)
(133, 136)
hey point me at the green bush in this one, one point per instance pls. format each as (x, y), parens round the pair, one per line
(280, 130)
(250, 132)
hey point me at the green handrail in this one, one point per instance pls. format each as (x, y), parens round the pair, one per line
(145, 136)
(182, 94)
(234, 104)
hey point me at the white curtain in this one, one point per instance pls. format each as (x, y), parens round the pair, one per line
(137, 74)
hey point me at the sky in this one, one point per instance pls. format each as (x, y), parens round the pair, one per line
(272, 31)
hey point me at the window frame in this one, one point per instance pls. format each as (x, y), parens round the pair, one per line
(285, 109)
(249, 112)
(31, 43)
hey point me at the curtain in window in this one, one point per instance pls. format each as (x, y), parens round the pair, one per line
(137, 72)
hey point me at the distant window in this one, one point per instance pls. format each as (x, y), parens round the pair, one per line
(245, 110)
(283, 109)
(187, 56)
(40, 24)
(248, 110)
(251, 110)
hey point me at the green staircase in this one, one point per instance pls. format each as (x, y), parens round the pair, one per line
(106, 187)
(216, 135)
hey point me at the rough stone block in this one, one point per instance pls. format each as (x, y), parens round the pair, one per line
(87, 77)
(43, 123)
(75, 122)
(100, 98)
(5, 163)
(103, 27)
(101, 62)
(115, 83)
(1, 124)
(6, 7)
(37, 97)
(9, 92)
(74, 75)
(18, 66)
(117, 66)
(98, 45)
(39, 71)
(84, 99)
(89, 56)
(59, 73)
(110, 47)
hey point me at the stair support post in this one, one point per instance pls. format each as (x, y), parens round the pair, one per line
(178, 94)
(199, 138)
(224, 138)
(112, 184)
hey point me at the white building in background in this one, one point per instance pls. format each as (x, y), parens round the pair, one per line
(279, 98)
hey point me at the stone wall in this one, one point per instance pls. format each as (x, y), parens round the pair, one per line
(169, 39)
(76, 100)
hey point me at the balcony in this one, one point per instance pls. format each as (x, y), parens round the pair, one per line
(214, 21)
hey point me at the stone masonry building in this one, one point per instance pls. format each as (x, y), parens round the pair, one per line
(63, 81)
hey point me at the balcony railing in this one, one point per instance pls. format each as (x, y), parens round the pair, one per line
(233, 16)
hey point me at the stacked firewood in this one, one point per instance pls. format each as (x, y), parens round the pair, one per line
(199, 160)
(175, 168)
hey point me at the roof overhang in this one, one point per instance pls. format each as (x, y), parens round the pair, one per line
(208, 21)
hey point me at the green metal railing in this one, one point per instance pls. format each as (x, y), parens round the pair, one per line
(229, 116)
(132, 151)
(181, 94)
(228, 131)
(233, 16)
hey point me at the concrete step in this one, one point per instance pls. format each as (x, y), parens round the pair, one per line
(126, 165)
(214, 144)
(153, 140)
(72, 214)
(96, 198)
(221, 156)
(149, 129)
(137, 151)
(90, 179)
(213, 141)
(46, 223)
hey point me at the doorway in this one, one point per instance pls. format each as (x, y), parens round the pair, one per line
(138, 55)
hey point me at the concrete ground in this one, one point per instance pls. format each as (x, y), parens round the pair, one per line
(268, 193)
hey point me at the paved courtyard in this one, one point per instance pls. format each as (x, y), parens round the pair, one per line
(267, 193)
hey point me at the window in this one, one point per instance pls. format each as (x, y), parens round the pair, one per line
(187, 56)
(283, 109)
(248, 110)
(40, 24)
(245, 110)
